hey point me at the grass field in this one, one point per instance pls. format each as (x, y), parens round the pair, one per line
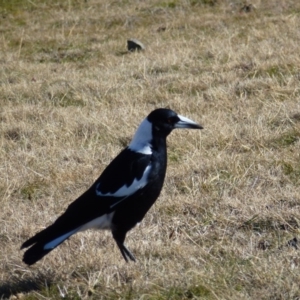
(227, 223)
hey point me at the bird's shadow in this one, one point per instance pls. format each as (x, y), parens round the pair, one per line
(24, 285)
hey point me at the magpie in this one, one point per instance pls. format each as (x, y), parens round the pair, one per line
(124, 192)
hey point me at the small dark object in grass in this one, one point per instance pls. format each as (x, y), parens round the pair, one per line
(161, 28)
(134, 45)
(263, 245)
(293, 243)
(247, 8)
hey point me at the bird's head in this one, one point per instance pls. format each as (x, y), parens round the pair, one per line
(165, 120)
(160, 122)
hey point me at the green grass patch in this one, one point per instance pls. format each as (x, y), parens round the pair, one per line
(169, 4)
(191, 292)
(286, 139)
(49, 50)
(203, 2)
(279, 72)
(66, 99)
(261, 225)
(33, 189)
(291, 170)
(61, 93)
(15, 6)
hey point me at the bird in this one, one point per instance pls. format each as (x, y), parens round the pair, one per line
(120, 198)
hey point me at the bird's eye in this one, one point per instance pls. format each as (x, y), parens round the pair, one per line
(172, 120)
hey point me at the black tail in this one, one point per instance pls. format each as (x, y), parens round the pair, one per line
(35, 253)
(37, 243)
(43, 243)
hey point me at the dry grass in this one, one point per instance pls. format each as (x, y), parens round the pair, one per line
(71, 98)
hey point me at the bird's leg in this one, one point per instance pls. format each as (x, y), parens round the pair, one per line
(120, 238)
(127, 253)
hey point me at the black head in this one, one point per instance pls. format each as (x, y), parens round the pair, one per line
(165, 120)
(159, 123)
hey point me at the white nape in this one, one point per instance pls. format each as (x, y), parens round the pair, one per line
(142, 138)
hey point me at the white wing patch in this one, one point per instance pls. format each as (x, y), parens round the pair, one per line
(125, 190)
(141, 141)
